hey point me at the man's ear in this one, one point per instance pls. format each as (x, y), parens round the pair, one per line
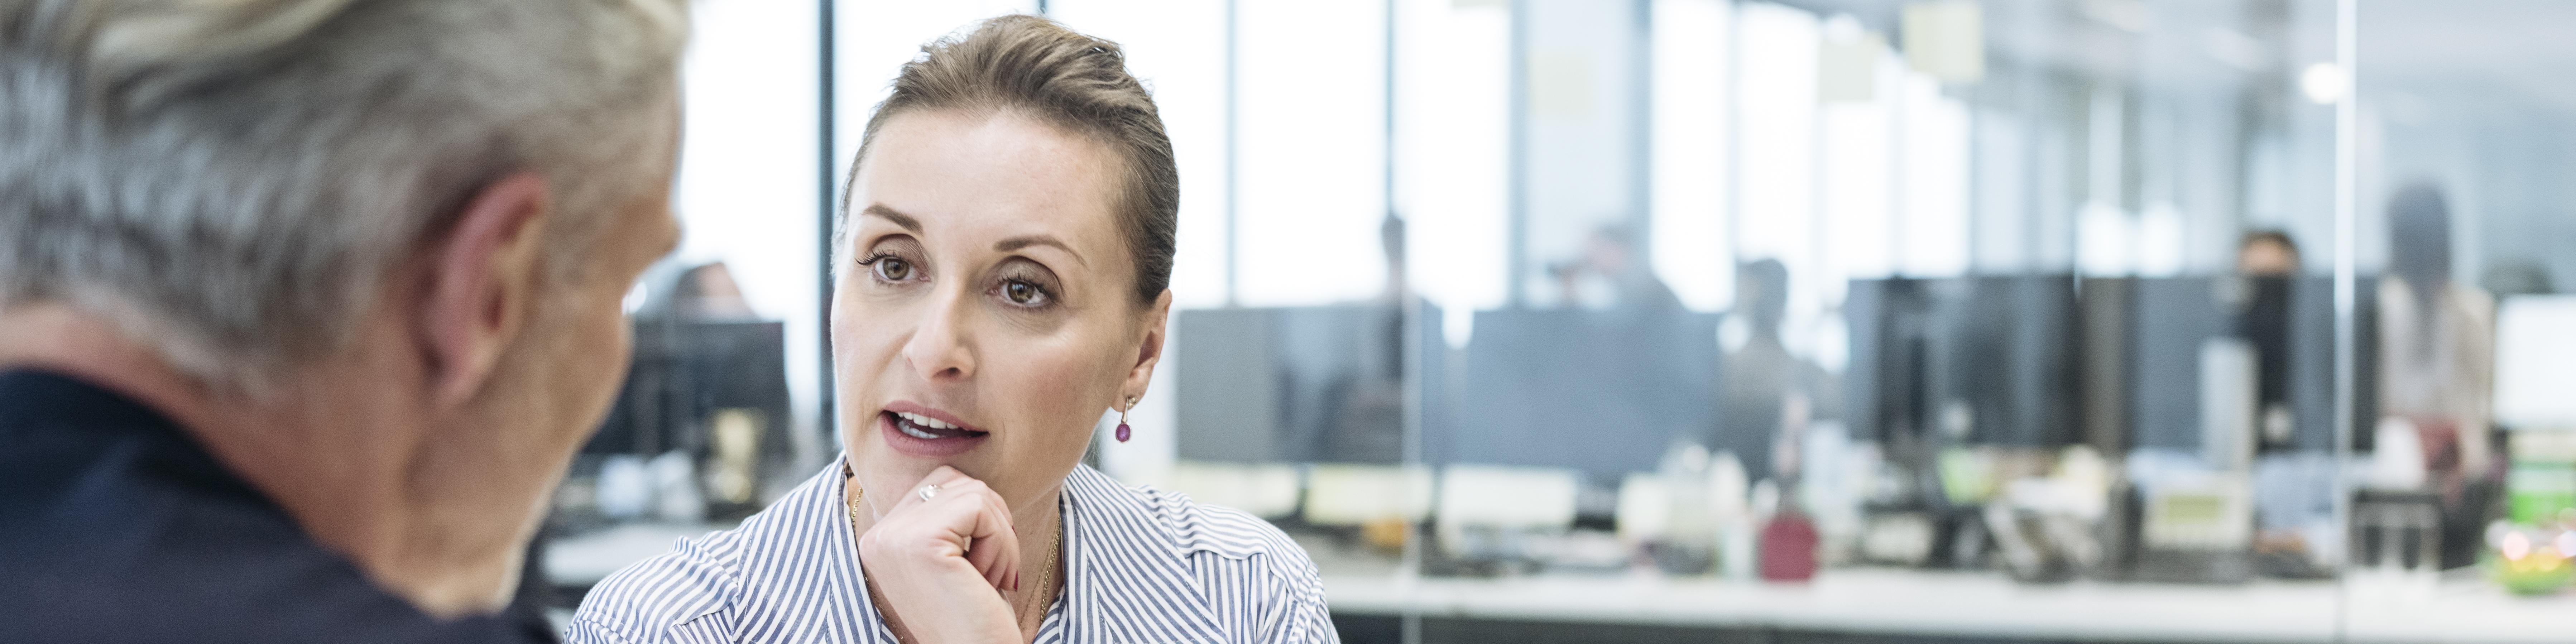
(1149, 349)
(480, 283)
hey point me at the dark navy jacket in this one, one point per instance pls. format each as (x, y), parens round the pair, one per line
(115, 526)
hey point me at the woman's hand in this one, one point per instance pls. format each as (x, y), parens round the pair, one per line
(942, 563)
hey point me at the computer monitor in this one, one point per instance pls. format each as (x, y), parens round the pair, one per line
(2312, 362)
(686, 381)
(2009, 348)
(2000, 352)
(1886, 394)
(2175, 316)
(1604, 391)
(2535, 387)
(1300, 384)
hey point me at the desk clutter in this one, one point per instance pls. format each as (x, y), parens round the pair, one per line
(2049, 428)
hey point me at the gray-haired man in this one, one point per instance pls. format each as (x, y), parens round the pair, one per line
(305, 304)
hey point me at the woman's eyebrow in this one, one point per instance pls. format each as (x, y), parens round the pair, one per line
(899, 219)
(1025, 241)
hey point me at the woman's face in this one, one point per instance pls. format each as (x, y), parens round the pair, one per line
(984, 315)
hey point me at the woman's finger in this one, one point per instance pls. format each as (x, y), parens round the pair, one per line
(995, 550)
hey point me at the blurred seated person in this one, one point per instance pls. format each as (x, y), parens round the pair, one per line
(2288, 514)
(2437, 364)
(1608, 275)
(2272, 260)
(1765, 394)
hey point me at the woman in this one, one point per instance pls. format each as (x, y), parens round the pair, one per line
(1003, 254)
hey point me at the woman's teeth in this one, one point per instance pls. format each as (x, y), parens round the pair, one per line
(927, 428)
(924, 421)
(908, 430)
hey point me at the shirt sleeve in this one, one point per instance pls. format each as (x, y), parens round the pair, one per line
(587, 630)
(1302, 616)
(1306, 622)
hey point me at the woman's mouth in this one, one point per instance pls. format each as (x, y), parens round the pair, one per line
(920, 434)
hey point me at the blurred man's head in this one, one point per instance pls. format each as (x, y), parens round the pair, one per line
(403, 226)
(2267, 253)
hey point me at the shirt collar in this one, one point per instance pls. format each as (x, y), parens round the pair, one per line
(1127, 579)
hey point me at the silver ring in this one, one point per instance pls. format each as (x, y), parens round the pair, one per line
(928, 491)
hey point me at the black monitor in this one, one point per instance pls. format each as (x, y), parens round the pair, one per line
(2008, 348)
(682, 374)
(1886, 394)
(2000, 352)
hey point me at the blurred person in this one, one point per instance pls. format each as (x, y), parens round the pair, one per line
(2267, 253)
(2293, 503)
(2437, 364)
(305, 305)
(1003, 258)
(2270, 260)
(1609, 275)
(1765, 394)
(1364, 407)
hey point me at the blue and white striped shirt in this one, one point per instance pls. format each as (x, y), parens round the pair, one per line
(1141, 566)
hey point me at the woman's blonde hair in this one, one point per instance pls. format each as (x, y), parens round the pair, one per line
(1035, 67)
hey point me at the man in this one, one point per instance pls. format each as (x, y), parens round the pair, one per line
(305, 304)
(2267, 253)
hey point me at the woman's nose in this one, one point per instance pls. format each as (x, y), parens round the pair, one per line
(940, 348)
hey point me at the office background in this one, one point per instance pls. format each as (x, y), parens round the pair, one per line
(1534, 314)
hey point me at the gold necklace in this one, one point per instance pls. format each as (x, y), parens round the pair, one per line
(1046, 583)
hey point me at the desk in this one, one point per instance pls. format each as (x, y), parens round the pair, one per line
(1892, 602)
(1871, 601)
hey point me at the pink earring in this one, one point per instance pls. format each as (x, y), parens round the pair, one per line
(1122, 420)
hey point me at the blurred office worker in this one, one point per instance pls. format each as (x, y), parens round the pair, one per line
(2267, 253)
(305, 304)
(1003, 254)
(2437, 365)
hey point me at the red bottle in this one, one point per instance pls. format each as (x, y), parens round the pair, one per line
(1789, 547)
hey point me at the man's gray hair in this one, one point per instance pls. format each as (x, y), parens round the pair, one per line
(234, 179)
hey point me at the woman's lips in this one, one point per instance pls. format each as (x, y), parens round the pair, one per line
(918, 434)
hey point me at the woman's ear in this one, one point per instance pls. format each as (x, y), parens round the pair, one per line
(1154, 321)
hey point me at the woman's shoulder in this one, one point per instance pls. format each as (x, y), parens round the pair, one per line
(704, 576)
(1196, 529)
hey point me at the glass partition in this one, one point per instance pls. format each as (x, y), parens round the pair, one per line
(2461, 512)
(1849, 320)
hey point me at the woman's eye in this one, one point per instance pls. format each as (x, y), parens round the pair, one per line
(1023, 293)
(893, 269)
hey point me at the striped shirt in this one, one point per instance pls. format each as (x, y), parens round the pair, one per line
(1141, 566)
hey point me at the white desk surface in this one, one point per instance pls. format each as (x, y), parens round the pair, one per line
(1986, 605)
(1882, 602)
